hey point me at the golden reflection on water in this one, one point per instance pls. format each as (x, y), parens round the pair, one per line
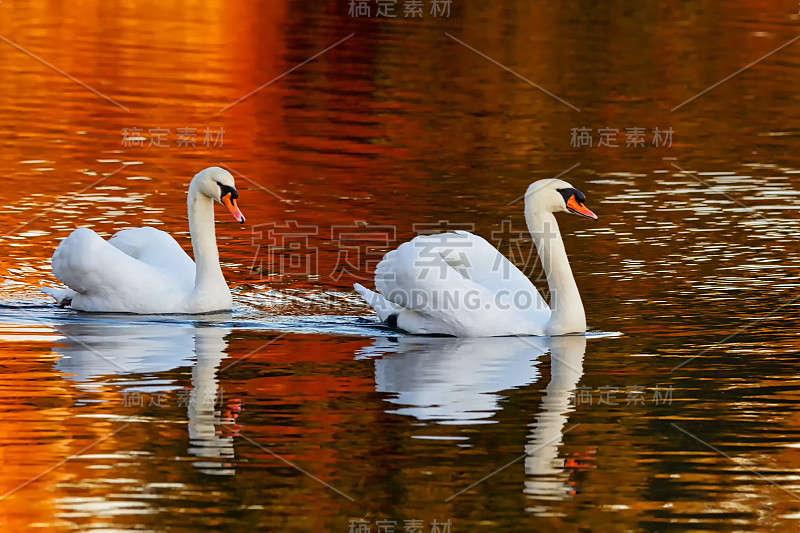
(401, 125)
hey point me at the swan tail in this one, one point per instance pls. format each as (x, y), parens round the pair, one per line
(396, 316)
(385, 309)
(63, 296)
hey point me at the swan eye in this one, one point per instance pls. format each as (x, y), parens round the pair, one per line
(569, 193)
(226, 190)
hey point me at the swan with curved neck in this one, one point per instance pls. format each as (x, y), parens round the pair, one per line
(144, 270)
(459, 284)
(566, 308)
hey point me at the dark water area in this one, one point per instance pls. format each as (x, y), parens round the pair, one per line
(297, 411)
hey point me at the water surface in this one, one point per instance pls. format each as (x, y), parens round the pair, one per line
(296, 412)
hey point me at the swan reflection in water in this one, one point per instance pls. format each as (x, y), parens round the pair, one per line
(460, 380)
(109, 346)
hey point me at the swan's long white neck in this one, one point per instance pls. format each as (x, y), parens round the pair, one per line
(208, 276)
(567, 314)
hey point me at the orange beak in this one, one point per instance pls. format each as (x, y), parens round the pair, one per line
(580, 209)
(233, 208)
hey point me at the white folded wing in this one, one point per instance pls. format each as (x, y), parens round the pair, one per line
(455, 284)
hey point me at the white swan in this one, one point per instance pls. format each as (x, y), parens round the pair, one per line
(144, 270)
(458, 284)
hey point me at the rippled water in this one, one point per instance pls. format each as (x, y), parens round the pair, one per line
(297, 412)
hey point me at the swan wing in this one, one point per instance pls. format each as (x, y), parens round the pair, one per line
(157, 248)
(459, 284)
(475, 258)
(105, 278)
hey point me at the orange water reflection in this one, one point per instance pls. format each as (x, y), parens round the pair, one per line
(402, 125)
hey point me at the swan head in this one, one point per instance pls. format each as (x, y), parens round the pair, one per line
(557, 196)
(219, 185)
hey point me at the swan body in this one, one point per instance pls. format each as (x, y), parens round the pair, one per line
(145, 270)
(458, 284)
